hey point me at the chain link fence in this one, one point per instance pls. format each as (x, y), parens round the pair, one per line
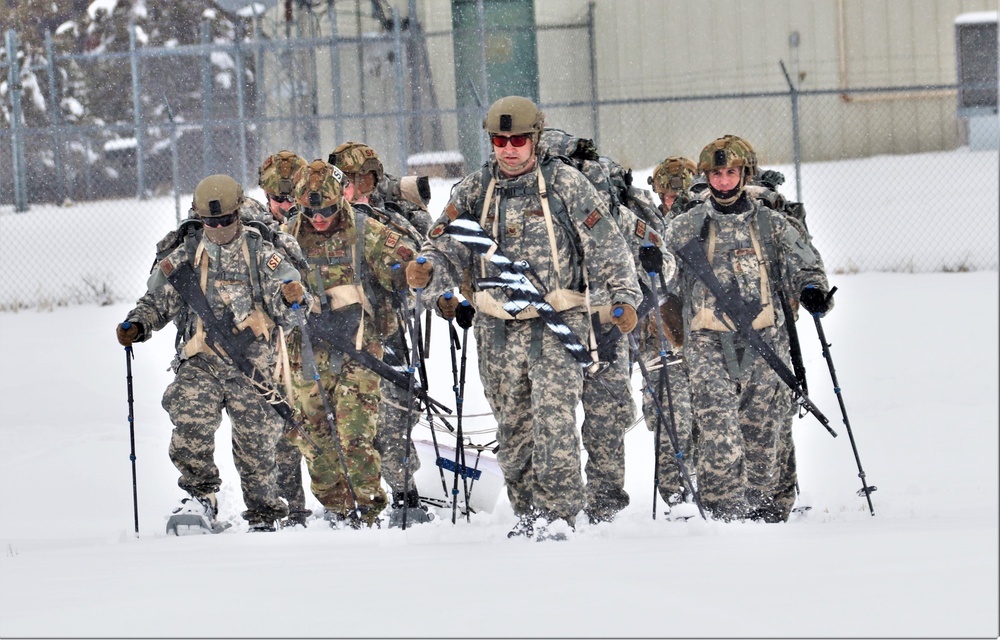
(81, 205)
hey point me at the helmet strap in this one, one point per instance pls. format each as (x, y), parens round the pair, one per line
(516, 170)
(726, 198)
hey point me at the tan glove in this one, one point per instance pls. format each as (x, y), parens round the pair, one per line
(293, 292)
(127, 335)
(625, 321)
(448, 306)
(418, 274)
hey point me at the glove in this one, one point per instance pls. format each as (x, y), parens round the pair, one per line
(128, 332)
(293, 292)
(418, 274)
(464, 314)
(448, 304)
(814, 300)
(399, 275)
(626, 320)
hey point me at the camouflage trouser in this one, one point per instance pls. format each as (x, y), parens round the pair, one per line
(194, 401)
(394, 423)
(289, 460)
(354, 396)
(740, 423)
(785, 490)
(534, 393)
(679, 397)
(608, 411)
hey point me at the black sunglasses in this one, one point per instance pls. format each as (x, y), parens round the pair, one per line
(221, 221)
(280, 198)
(321, 212)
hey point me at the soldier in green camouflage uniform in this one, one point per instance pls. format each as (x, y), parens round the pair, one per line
(671, 180)
(531, 381)
(276, 176)
(349, 254)
(396, 418)
(243, 274)
(738, 401)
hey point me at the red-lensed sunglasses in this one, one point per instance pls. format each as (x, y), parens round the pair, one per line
(515, 141)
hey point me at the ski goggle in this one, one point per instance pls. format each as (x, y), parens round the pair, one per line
(515, 141)
(283, 199)
(321, 212)
(221, 221)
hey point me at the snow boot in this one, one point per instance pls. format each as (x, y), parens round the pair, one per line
(552, 528)
(296, 518)
(195, 516)
(525, 527)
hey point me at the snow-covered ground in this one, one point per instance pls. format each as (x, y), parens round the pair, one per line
(916, 356)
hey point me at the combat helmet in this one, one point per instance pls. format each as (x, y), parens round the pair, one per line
(675, 174)
(217, 195)
(356, 157)
(728, 151)
(319, 185)
(277, 175)
(514, 115)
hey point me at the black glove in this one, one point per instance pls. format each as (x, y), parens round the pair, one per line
(815, 300)
(464, 313)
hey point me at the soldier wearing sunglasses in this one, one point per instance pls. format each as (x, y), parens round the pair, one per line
(541, 210)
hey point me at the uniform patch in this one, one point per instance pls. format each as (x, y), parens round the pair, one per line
(655, 239)
(273, 261)
(451, 211)
(392, 240)
(166, 266)
(640, 228)
(592, 219)
(437, 230)
(403, 252)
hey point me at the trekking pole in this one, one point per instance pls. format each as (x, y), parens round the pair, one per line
(865, 490)
(430, 416)
(309, 358)
(652, 262)
(463, 316)
(129, 355)
(414, 355)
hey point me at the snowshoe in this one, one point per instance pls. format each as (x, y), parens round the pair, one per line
(261, 526)
(414, 515)
(195, 516)
(681, 512)
(295, 518)
(525, 527)
(557, 529)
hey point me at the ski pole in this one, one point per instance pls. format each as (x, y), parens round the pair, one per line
(309, 358)
(865, 490)
(129, 355)
(463, 316)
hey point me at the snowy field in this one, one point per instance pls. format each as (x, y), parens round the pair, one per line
(916, 356)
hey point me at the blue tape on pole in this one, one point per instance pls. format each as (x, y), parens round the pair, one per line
(449, 465)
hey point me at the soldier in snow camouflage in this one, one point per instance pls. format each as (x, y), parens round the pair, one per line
(739, 402)
(531, 381)
(242, 274)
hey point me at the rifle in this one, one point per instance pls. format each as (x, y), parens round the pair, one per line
(740, 318)
(520, 290)
(229, 344)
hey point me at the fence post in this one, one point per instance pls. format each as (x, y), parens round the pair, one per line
(793, 93)
(594, 110)
(484, 150)
(140, 189)
(206, 101)
(259, 110)
(241, 108)
(397, 44)
(338, 127)
(17, 141)
(55, 120)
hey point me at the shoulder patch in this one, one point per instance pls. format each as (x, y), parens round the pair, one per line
(403, 252)
(592, 219)
(437, 230)
(166, 266)
(273, 261)
(655, 238)
(452, 211)
(392, 240)
(640, 228)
